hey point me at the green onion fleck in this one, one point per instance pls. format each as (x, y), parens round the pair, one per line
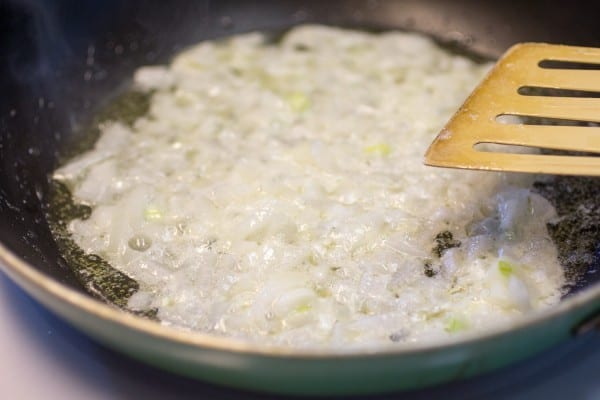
(380, 149)
(505, 268)
(152, 214)
(298, 101)
(303, 308)
(455, 325)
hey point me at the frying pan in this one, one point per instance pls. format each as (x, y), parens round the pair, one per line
(62, 61)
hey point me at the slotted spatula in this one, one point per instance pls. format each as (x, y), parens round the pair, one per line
(542, 85)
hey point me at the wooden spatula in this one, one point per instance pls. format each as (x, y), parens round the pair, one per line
(554, 92)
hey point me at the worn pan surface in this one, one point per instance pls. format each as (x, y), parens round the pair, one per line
(62, 60)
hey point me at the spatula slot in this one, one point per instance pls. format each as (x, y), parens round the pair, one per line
(505, 148)
(489, 147)
(514, 119)
(553, 92)
(563, 64)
